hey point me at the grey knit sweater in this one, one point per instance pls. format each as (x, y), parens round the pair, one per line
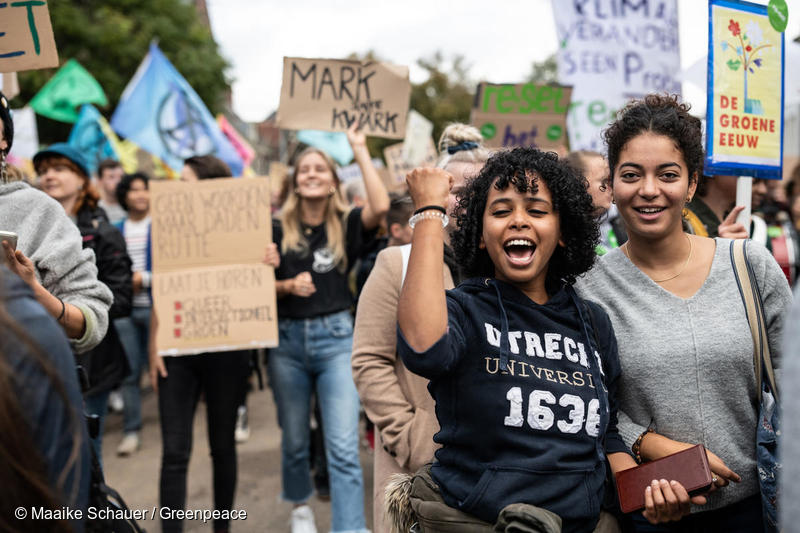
(687, 364)
(789, 444)
(52, 241)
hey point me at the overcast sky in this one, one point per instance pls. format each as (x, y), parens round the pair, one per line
(499, 40)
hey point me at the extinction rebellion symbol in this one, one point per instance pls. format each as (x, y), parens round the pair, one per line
(181, 127)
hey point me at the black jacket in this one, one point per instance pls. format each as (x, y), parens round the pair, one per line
(106, 365)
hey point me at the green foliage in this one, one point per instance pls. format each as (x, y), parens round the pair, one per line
(110, 38)
(447, 95)
(544, 71)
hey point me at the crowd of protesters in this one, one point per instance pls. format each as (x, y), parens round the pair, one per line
(517, 326)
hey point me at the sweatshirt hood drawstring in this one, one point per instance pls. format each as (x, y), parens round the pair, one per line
(505, 349)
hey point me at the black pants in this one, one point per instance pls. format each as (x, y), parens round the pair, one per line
(220, 377)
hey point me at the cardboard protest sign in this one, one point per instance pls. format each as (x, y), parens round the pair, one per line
(211, 291)
(9, 84)
(398, 167)
(610, 52)
(744, 115)
(26, 36)
(520, 114)
(331, 94)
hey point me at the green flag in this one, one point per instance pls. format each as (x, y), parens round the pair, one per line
(62, 96)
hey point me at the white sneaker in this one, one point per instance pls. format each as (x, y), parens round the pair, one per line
(129, 444)
(303, 520)
(115, 402)
(242, 432)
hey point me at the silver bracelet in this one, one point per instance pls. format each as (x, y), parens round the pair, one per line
(430, 213)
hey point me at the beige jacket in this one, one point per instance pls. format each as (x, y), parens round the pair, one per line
(395, 400)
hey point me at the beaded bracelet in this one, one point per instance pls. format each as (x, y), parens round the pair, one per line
(439, 208)
(637, 445)
(429, 214)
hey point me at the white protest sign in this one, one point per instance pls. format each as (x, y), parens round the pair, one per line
(353, 172)
(611, 52)
(26, 136)
(418, 136)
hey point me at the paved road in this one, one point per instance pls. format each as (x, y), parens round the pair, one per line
(136, 477)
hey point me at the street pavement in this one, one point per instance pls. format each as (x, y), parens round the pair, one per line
(259, 486)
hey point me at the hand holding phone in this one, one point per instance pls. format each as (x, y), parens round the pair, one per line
(10, 237)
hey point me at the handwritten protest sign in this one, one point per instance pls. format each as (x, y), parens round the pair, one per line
(398, 166)
(331, 94)
(511, 115)
(211, 291)
(610, 52)
(745, 92)
(26, 36)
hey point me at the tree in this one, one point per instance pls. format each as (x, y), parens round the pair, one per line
(544, 71)
(447, 95)
(110, 38)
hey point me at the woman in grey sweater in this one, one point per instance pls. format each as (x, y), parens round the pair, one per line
(49, 254)
(684, 342)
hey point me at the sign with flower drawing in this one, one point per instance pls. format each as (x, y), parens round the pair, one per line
(744, 120)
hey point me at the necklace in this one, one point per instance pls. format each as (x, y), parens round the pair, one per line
(627, 251)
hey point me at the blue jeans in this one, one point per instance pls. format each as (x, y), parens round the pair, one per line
(315, 353)
(134, 331)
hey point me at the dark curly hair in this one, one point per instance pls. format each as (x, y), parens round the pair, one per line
(571, 202)
(124, 186)
(662, 115)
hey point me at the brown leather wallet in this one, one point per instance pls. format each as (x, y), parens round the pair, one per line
(688, 467)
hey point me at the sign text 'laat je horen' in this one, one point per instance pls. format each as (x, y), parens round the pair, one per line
(331, 95)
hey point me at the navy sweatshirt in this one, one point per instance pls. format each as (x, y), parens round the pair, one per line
(527, 409)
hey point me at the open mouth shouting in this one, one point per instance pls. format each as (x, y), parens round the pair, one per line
(519, 251)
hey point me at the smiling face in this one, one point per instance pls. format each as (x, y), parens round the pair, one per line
(59, 180)
(138, 198)
(520, 234)
(314, 178)
(651, 186)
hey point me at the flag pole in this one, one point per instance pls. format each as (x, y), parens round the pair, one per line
(744, 196)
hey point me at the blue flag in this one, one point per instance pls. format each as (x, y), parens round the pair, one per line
(334, 143)
(88, 136)
(160, 112)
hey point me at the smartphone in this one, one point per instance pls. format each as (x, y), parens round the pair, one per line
(10, 237)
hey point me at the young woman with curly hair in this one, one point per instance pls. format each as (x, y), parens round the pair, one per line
(396, 400)
(523, 372)
(684, 343)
